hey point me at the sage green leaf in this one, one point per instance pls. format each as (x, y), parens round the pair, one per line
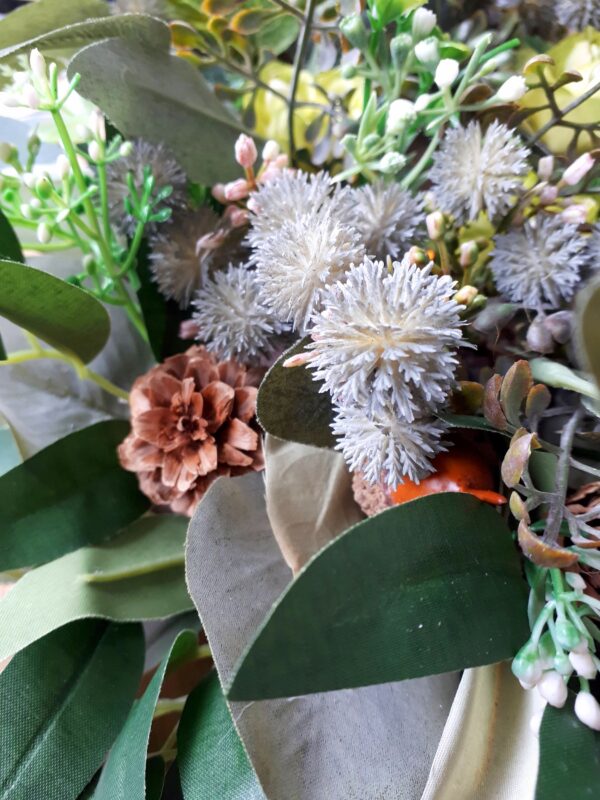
(62, 702)
(471, 423)
(10, 456)
(587, 333)
(212, 759)
(124, 774)
(9, 244)
(64, 316)
(291, 406)
(147, 92)
(552, 373)
(70, 494)
(36, 19)
(138, 576)
(397, 596)
(569, 756)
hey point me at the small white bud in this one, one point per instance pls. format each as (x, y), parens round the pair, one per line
(512, 90)
(63, 167)
(546, 167)
(43, 233)
(587, 710)
(423, 22)
(35, 203)
(97, 125)
(82, 132)
(391, 163)
(63, 215)
(435, 225)
(583, 664)
(578, 169)
(422, 102)
(400, 114)
(126, 149)
(553, 688)
(26, 211)
(37, 62)
(446, 72)
(576, 582)
(30, 97)
(95, 151)
(270, 151)
(428, 51)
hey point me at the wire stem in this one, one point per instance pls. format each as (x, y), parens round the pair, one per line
(298, 62)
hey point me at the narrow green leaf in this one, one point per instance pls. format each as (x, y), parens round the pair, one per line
(147, 92)
(63, 315)
(586, 328)
(60, 592)
(212, 760)
(290, 405)
(569, 756)
(430, 586)
(9, 244)
(124, 774)
(62, 703)
(72, 493)
(470, 422)
(35, 19)
(552, 373)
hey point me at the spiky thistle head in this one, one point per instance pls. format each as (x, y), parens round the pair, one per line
(387, 217)
(578, 14)
(475, 171)
(388, 338)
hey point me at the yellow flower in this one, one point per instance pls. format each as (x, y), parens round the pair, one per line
(581, 53)
(271, 112)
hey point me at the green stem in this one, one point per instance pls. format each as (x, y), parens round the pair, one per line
(298, 61)
(133, 250)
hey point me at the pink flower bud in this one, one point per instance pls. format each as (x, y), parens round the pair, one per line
(299, 360)
(548, 195)
(236, 190)
(578, 169)
(587, 710)
(188, 329)
(270, 151)
(553, 688)
(218, 192)
(435, 225)
(281, 161)
(245, 151)
(253, 206)
(237, 217)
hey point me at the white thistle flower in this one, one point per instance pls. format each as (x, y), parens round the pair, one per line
(388, 339)
(232, 320)
(578, 14)
(387, 217)
(540, 264)
(473, 171)
(385, 447)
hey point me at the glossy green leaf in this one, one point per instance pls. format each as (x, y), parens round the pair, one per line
(290, 405)
(63, 315)
(426, 587)
(62, 703)
(138, 576)
(569, 756)
(149, 93)
(36, 19)
(9, 244)
(587, 329)
(124, 774)
(470, 422)
(72, 493)
(212, 760)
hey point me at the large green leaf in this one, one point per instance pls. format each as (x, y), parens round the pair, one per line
(9, 244)
(569, 756)
(72, 493)
(290, 405)
(124, 774)
(62, 702)
(36, 19)
(138, 576)
(212, 760)
(147, 92)
(430, 586)
(587, 329)
(63, 315)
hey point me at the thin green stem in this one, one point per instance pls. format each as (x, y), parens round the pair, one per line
(298, 62)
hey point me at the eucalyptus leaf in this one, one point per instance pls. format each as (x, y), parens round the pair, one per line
(138, 576)
(64, 316)
(10, 248)
(148, 93)
(586, 328)
(33, 20)
(62, 703)
(397, 596)
(212, 759)
(560, 376)
(71, 494)
(569, 756)
(124, 774)
(290, 405)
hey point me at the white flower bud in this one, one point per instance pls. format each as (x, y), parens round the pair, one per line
(126, 149)
(270, 151)
(587, 710)
(546, 167)
(576, 582)
(83, 133)
(435, 225)
(97, 125)
(26, 211)
(391, 163)
(43, 233)
(95, 151)
(583, 664)
(63, 167)
(423, 22)
(422, 102)
(578, 169)
(553, 688)
(446, 72)
(30, 96)
(400, 114)
(575, 214)
(37, 62)
(428, 51)
(512, 90)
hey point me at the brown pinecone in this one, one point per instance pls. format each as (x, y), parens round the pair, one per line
(192, 420)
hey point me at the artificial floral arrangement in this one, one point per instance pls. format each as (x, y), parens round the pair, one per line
(300, 400)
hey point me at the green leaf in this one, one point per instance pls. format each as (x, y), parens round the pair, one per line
(62, 702)
(429, 586)
(569, 756)
(290, 405)
(70, 494)
(278, 34)
(10, 455)
(470, 422)
(138, 576)
(124, 774)
(36, 19)
(212, 760)
(9, 244)
(63, 315)
(586, 328)
(147, 92)
(552, 373)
